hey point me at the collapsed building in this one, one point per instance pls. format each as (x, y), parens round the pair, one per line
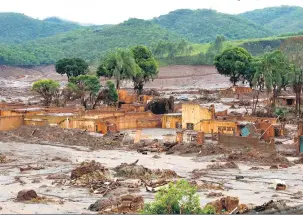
(193, 123)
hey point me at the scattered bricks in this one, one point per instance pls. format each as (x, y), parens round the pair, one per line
(26, 195)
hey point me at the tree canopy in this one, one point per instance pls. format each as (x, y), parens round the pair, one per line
(179, 198)
(47, 89)
(234, 63)
(119, 65)
(147, 67)
(86, 87)
(71, 67)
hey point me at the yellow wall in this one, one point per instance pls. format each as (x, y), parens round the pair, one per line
(10, 122)
(208, 125)
(170, 121)
(95, 114)
(88, 125)
(193, 113)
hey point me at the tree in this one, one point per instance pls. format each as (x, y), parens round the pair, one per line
(119, 65)
(147, 67)
(179, 198)
(292, 48)
(271, 69)
(233, 63)
(85, 87)
(72, 67)
(109, 94)
(47, 89)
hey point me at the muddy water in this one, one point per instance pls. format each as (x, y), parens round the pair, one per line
(256, 187)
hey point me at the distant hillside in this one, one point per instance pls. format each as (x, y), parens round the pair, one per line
(28, 41)
(282, 19)
(204, 25)
(88, 43)
(16, 28)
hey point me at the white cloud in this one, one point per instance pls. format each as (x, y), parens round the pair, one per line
(116, 11)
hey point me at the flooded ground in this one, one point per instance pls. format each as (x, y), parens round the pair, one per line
(255, 187)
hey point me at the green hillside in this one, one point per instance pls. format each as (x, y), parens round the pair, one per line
(283, 19)
(88, 43)
(28, 41)
(16, 28)
(205, 25)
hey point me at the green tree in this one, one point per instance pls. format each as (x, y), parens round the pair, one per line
(179, 198)
(86, 88)
(119, 65)
(233, 62)
(271, 69)
(292, 48)
(72, 67)
(47, 89)
(109, 95)
(147, 67)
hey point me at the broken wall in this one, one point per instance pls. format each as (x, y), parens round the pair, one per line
(83, 124)
(238, 142)
(267, 129)
(133, 107)
(97, 114)
(35, 122)
(172, 121)
(10, 122)
(216, 126)
(193, 114)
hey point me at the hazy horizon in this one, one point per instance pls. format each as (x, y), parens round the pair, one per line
(116, 11)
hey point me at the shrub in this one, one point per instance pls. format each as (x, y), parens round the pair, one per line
(179, 198)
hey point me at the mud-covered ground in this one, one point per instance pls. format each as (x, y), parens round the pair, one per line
(15, 82)
(255, 188)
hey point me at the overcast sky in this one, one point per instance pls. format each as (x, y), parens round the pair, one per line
(116, 11)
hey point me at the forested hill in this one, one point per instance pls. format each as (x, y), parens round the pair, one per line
(282, 19)
(205, 25)
(89, 43)
(28, 41)
(16, 28)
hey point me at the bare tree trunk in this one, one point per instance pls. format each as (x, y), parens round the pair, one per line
(255, 103)
(118, 88)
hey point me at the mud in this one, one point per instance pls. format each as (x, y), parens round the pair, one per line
(256, 187)
(52, 135)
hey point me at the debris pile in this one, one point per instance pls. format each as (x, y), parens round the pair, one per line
(3, 158)
(23, 169)
(87, 168)
(299, 161)
(132, 170)
(214, 194)
(183, 148)
(26, 195)
(225, 205)
(254, 156)
(61, 159)
(272, 206)
(155, 186)
(228, 165)
(122, 204)
(212, 149)
(53, 134)
(207, 186)
(95, 176)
